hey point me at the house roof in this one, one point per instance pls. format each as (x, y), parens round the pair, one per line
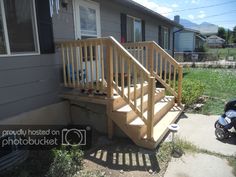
(140, 7)
(201, 37)
(215, 37)
(191, 30)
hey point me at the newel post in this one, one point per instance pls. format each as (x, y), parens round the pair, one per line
(151, 55)
(180, 79)
(151, 94)
(109, 62)
(109, 66)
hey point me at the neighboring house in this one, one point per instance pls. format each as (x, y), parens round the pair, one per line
(187, 39)
(31, 64)
(215, 41)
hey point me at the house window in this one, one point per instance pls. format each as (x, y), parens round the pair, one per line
(134, 29)
(88, 23)
(87, 19)
(166, 38)
(2, 37)
(17, 27)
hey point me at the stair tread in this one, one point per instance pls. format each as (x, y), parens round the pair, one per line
(127, 108)
(138, 86)
(158, 106)
(160, 129)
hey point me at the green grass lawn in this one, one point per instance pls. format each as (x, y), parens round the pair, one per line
(220, 86)
(224, 52)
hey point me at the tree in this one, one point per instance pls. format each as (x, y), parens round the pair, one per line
(229, 35)
(221, 33)
(234, 35)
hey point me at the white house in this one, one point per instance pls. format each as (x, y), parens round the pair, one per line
(186, 39)
(215, 41)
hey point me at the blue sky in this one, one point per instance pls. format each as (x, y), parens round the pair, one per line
(221, 15)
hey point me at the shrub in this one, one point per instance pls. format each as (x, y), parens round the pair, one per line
(191, 91)
(203, 48)
(66, 162)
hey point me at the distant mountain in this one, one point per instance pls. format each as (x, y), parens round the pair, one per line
(204, 28)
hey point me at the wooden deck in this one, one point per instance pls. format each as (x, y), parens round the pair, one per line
(102, 71)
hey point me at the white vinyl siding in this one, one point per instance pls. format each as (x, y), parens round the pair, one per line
(186, 42)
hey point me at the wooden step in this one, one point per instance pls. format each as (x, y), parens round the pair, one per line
(161, 128)
(127, 112)
(119, 101)
(160, 109)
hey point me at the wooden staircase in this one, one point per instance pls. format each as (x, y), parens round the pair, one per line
(142, 111)
(165, 113)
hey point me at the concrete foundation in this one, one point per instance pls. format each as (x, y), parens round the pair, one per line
(64, 113)
(92, 114)
(55, 114)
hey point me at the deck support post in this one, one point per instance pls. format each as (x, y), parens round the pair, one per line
(180, 78)
(110, 123)
(151, 95)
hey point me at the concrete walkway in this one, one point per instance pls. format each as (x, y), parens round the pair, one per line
(198, 165)
(199, 129)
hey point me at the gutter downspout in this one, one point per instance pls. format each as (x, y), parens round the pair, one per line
(173, 46)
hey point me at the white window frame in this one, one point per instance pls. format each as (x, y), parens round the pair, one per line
(167, 29)
(35, 32)
(87, 3)
(134, 18)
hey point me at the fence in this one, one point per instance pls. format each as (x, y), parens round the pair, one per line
(228, 54)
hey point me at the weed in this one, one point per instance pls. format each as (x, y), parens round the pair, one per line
(192, 90)
(66, 163)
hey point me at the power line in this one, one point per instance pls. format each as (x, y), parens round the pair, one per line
(215, 15)
(201, 7)
(224, 21)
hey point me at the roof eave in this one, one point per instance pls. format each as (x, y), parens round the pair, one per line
(150, 12)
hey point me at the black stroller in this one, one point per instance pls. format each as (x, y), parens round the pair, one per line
(226, 121)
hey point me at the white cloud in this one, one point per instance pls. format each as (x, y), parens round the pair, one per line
(201, 14)
(195, 1)
(155, 7)
(174, 5)
(191, 17)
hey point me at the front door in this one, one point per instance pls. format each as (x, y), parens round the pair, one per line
(87, 25)
(87, 19)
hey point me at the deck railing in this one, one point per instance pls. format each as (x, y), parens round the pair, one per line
(160, 64)
(88, 64)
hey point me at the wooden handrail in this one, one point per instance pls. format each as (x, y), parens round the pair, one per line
(160, 64)
(83, 67)
(152, 43)
(125, 52)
